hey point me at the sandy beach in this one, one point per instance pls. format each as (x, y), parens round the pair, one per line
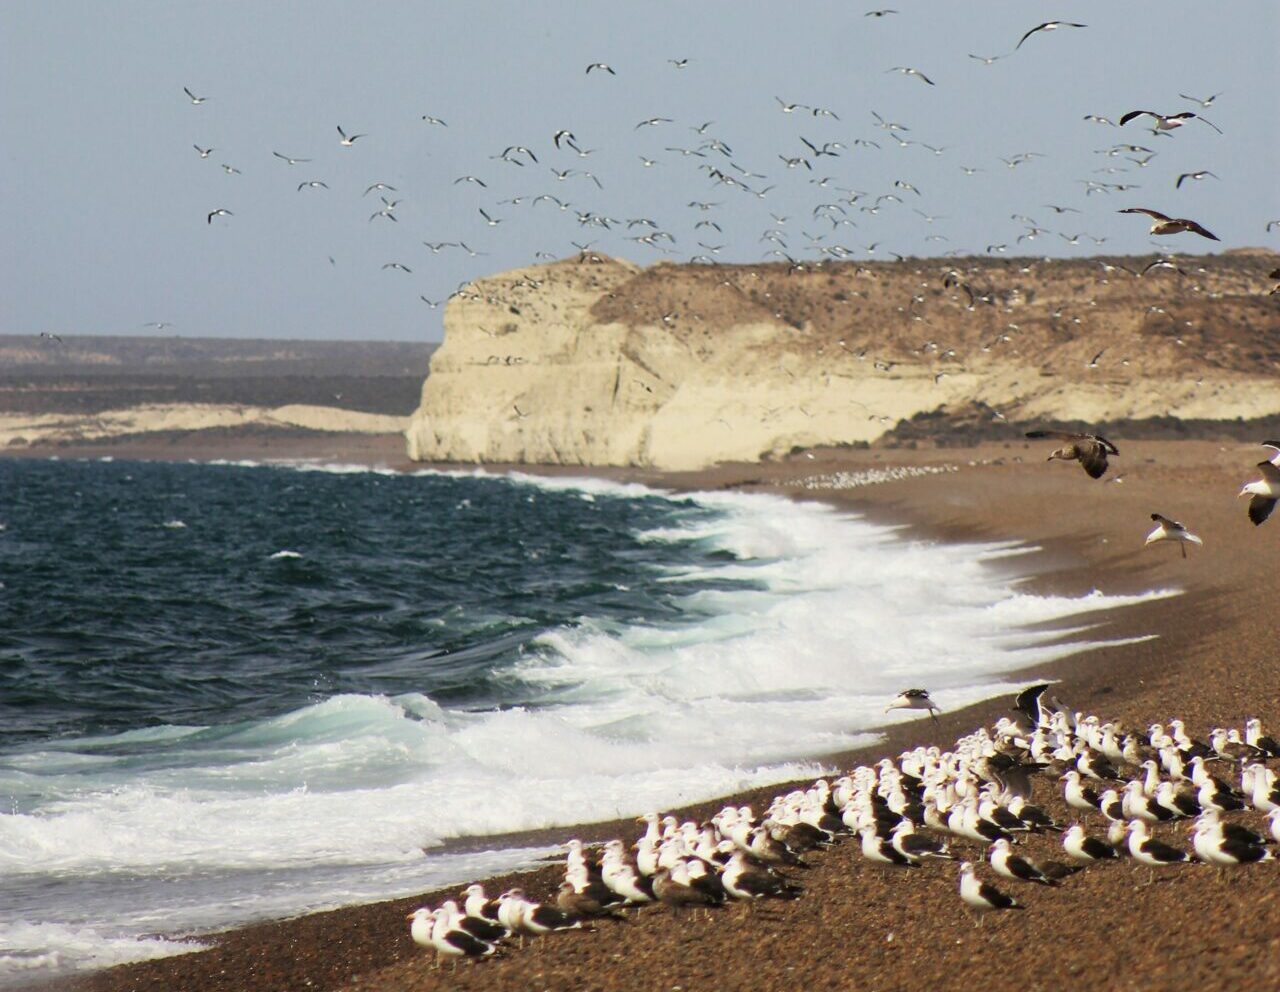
(1213, 663)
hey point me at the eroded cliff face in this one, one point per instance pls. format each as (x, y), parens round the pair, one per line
(595, 361)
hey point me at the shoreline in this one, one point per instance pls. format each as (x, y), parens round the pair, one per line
(1135, 681)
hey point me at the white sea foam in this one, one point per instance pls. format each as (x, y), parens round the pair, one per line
(351, 798)
(29, 949)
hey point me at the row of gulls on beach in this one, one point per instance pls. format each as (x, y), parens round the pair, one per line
(1092, 451)
(969, 805)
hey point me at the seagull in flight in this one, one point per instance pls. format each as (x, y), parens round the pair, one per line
(383, 186)
(986, 59)
(652, 122)
(51, 336)
(348, 141)
(1264, 491)
(679, 63)
(603, 66)
(1193, 175)
(434, 120)
(888, 125)
(879, 13)
(1203, 103)
(313, 184)
(195, 100)
(230, 170)
(914, 699)
(1047, 26)
(1170, 225)
(1171, 530)
(204, 152)
(1090, 450)
(291, 161)
(908, 71)
(1167, 122)
(220, 212)
(397, 265)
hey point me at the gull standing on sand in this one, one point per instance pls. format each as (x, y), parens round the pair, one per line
(1148, 851)
(980, 895)
(1171, 530)
(1091, 450)
(1265, 492)
(435, 929)
(1010, 865)
(1085, 849)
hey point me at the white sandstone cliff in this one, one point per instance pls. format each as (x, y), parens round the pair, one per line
(595, 361)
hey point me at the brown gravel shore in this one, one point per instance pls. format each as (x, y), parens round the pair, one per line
(1215, 662)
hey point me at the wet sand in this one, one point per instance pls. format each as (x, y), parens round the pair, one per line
(1215, 662)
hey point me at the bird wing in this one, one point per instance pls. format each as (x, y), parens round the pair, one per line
(1260, 508)
(1167, 523)
(1038, 27)
(1056, 435)
(1195, 228)
(1154, 214)
(1270, 471)
(1136, 113)
(1107, 446)
(1093, 456)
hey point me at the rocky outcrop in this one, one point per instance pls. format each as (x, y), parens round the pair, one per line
(595, 361)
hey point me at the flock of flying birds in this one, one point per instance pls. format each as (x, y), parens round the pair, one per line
(969, 804)
(1092, 451)
(568, 187)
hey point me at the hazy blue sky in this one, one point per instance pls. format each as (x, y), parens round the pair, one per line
(105, 199)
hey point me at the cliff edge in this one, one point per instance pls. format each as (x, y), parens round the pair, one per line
(596, 361)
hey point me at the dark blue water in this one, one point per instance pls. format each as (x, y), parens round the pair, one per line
(111, 620)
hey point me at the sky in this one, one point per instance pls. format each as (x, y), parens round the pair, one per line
(106, 201)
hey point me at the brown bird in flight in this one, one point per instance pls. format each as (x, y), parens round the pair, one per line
(1171, 225)
(1091, 450)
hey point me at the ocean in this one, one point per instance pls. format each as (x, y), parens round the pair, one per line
(231, 692)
